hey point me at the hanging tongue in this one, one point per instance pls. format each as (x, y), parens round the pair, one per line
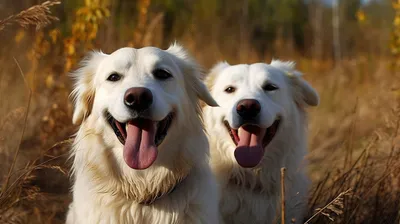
(250, 151)
(140, 150)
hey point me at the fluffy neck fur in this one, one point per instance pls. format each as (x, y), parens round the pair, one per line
(106, 173)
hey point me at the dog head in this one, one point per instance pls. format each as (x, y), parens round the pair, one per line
(256, 101)
(139, 96)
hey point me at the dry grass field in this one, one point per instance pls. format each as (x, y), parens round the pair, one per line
(354, 137)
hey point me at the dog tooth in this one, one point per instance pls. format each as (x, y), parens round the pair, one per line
(240, 130)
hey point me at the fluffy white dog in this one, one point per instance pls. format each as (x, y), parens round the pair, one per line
(259, 127)
(141, 154)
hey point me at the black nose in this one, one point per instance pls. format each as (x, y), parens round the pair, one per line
(248, 108)
(138, 99)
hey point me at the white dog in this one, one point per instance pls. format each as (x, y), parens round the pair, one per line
(141, 154)
(259, 127)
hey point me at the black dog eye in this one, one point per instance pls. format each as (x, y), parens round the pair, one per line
(114, 77)
(270, 87)
(230, 89)
(161, 74)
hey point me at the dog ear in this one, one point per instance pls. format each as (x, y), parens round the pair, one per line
(84, 91)
(308, 93)
(204, 94)
(217, 68)
(192, 68)
(304, 92)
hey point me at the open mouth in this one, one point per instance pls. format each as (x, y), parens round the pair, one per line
(140, 137)
(269, 135)
(250, 141)
(120, 128)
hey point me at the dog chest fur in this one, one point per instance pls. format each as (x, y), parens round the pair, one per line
(102, 195)
(240, 204)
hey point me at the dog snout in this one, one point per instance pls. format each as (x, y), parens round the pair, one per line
(138, 99)
(248, 108)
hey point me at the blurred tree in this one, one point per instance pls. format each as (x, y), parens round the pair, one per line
(395, 41)
(279, 22)
(349, 26)
(279, 28)
(336, 31)
(316, 15)
(177, 17)
(142, 21)
(350, 8)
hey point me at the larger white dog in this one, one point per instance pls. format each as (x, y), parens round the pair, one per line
(259, 127)
(141, 155)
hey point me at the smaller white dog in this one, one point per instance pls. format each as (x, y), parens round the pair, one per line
(141, 154)
(259, 128)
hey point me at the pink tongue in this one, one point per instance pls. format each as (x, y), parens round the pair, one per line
(140, 150)
(250, 151)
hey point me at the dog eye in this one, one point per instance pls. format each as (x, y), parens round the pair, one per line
(161, 74)
(114, 77)
(230, 89)
(270, 87)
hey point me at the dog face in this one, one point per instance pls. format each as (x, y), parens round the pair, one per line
(140, 94)
(255, 100)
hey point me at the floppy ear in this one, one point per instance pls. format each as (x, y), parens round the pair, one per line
(83, 93)
(304, 92)
(308, 94)
(204, 94)
(192, 69)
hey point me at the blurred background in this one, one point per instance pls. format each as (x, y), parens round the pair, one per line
(349, 50)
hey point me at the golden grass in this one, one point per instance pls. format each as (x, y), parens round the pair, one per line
(17, 188)
(38, 15)
(372, 177)
(283, 200)
(18, 185)
(336, 207)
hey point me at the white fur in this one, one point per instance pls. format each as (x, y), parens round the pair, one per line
(287, 149)
(105, 189)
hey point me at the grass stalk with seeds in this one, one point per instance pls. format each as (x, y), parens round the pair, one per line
(38, 15)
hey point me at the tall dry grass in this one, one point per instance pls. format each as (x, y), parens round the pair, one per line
(18, 189)
(354, 133)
